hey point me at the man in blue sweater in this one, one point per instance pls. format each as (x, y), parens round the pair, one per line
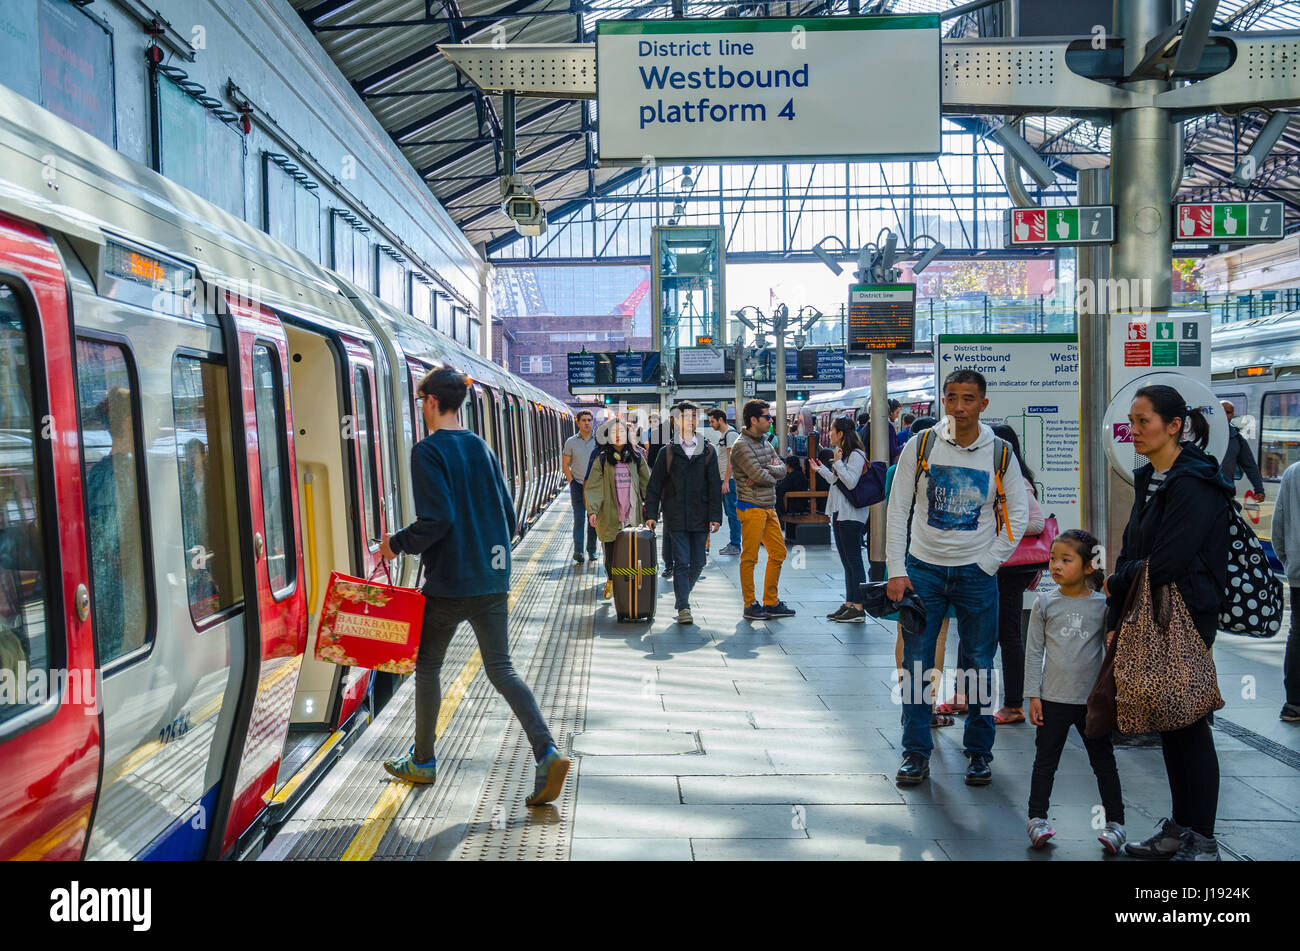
(458, 486)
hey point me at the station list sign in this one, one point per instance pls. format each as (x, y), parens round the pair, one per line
(882, 318)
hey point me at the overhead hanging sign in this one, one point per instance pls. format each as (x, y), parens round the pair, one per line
(882, 318)
(767, 89)
(1229, 222)
(1046, 227)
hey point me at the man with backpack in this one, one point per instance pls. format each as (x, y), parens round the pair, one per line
(957, 508)
(728, 438)
(685, 482)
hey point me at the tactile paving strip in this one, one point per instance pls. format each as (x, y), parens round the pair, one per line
(502, 827)
(329, 820)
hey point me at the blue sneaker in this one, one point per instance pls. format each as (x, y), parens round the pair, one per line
(406, 768)
(551, 772)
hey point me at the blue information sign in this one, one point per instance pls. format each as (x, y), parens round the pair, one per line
(628, 368)
(582, 369)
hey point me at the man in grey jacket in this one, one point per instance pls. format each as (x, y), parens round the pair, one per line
(1286, 538)
(1238, 454)
(757, 469)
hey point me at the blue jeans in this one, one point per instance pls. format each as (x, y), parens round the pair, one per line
(580, 520)
(974, 595)
(688, 562)
(729, 506)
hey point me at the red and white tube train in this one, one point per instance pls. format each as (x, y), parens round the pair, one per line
(197, 424)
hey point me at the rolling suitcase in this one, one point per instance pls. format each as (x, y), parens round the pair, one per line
(635, 568)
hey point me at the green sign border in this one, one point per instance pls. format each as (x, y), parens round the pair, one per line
(768, 25)
(1006, 338)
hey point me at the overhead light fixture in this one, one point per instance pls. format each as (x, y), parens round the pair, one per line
(679, 208)
(812, 320)
(1025, 154)
(687, 181)
(825, 258)
(740, 315)
(926, 259)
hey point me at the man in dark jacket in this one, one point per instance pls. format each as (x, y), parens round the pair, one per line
(1238, 454)
(462, 531)
(685, 483)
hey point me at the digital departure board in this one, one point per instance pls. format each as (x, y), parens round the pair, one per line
(882, 318)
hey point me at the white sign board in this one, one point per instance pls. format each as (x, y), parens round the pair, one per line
(669, 91)
(697, 362)
(1142, 344)
(1033, 387)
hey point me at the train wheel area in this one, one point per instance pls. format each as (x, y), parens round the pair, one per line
(737, 740)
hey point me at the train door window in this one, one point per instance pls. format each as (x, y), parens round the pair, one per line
(1279, 442)
(272, 453)
(111, 458)
(1242, 417)
(25, 586)
(366, 447)
(418, 431)
(209, 518)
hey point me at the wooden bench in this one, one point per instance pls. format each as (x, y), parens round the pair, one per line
(811, 527)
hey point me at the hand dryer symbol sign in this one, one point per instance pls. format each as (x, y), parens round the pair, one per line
(1030, 225)
(1196, 221)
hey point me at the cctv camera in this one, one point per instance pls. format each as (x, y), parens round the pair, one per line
(521, 206)
(799, 341)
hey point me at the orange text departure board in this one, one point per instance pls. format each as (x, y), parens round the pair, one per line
(882, 317)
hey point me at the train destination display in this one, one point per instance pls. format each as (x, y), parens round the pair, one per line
(882, 318)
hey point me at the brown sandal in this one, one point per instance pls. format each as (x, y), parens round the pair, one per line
(940, 719)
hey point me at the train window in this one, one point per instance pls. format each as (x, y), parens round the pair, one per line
(204, 447)
(25, 617)
(365, 445)
(110, 456)
(418, 431)
(268, 403)
(1279, 442)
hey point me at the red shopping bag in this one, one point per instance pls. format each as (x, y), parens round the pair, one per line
(370, 624)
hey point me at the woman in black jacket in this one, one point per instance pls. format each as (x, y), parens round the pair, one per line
(1179, 527)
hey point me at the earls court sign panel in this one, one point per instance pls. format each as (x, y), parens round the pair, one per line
(767, 89)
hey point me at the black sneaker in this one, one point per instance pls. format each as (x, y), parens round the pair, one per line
(591, 556)
(577, 556)
(1197, 848)
(1290, 713)
(780, 609)
(851, 616)
(835, 615)
(914, 769)
(756, 612)
(1163, 845)
(668, 571)
(979, 772)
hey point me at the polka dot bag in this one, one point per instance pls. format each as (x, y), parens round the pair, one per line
(1252, 604)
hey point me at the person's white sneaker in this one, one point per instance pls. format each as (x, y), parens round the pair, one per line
(1112, 838)
(684, 616)
(1040, 830)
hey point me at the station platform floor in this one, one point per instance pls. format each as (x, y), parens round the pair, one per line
(732, 739)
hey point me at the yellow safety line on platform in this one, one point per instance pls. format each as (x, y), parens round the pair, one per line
(289, 788)
(375, 825)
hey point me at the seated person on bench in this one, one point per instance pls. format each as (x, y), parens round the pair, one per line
(795, 481)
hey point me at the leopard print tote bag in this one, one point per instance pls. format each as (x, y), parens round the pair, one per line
(1164, 674)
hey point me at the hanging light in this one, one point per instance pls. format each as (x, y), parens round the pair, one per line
(687, 181)
(679, 209)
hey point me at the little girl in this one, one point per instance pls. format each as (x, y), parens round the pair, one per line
(1063, 654)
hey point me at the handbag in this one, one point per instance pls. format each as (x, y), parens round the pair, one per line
(1164, 674)
(870, 487)
(1252, 602)
(364, 623)
(1035, 551)
(1103, 717)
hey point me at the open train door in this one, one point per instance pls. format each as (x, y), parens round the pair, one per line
(274, 645)
(50, 717)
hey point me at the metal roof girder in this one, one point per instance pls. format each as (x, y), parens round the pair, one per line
(1261, 57)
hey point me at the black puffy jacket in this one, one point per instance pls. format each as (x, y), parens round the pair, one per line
(690, 493)
(1182, 533)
